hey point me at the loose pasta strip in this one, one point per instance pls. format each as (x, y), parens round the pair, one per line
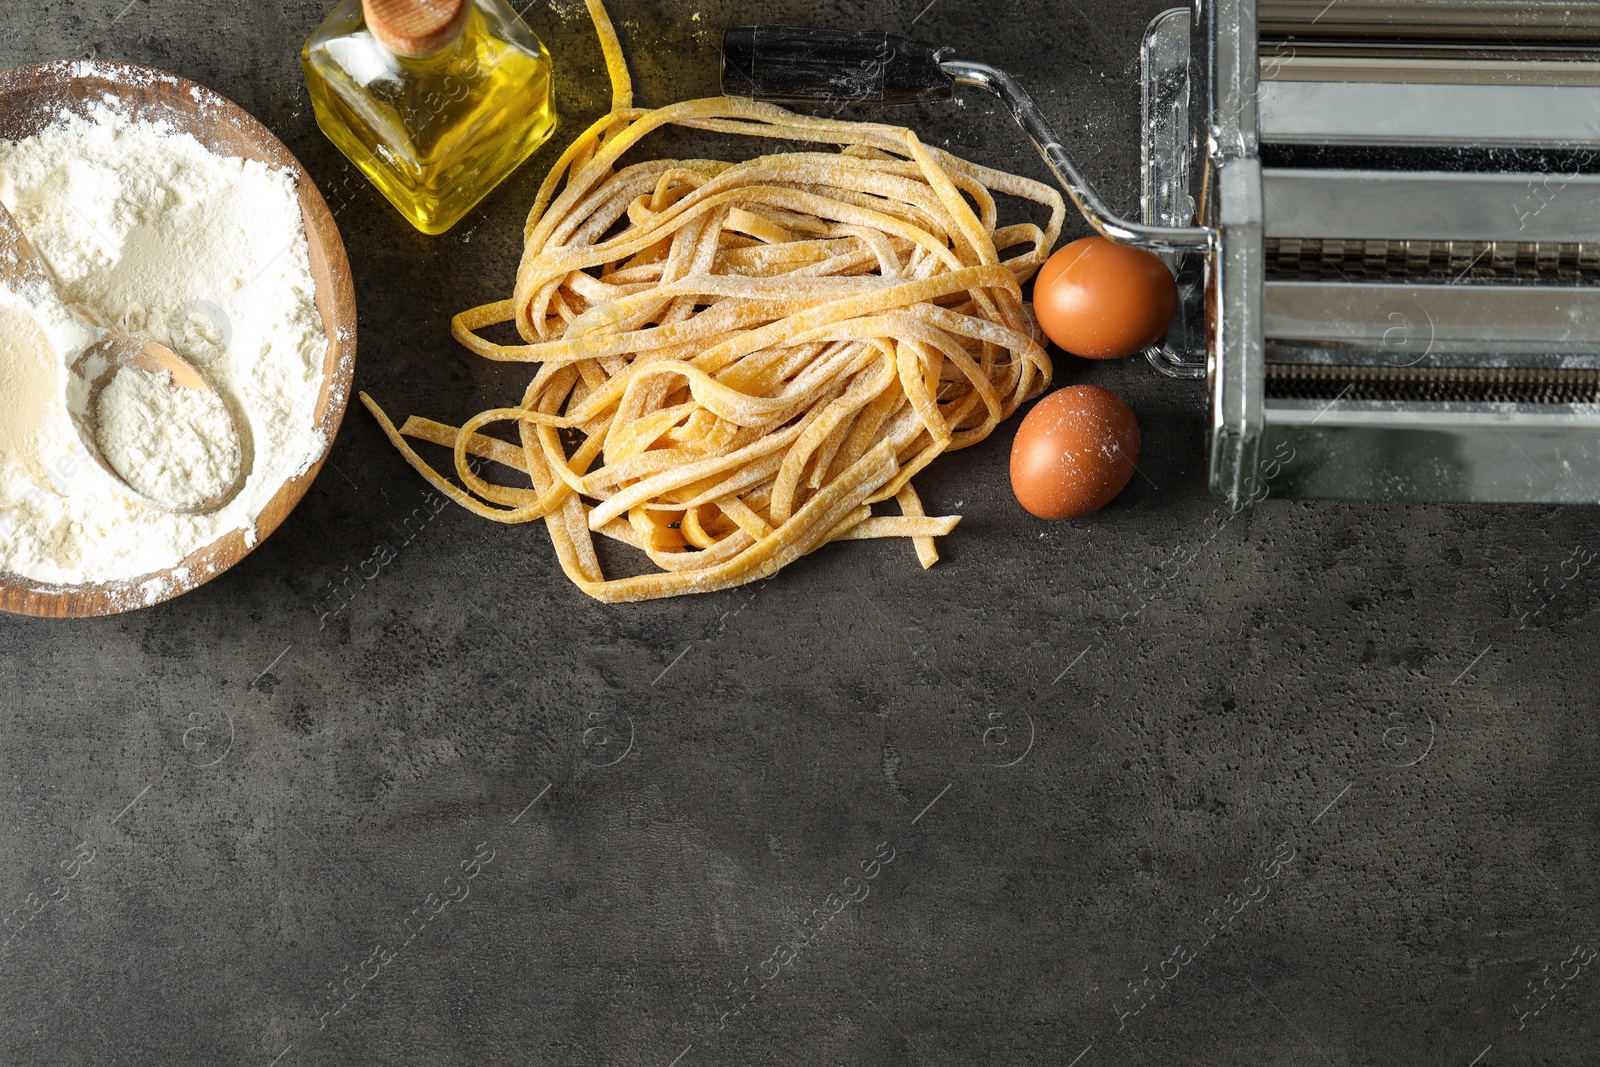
(736, 362)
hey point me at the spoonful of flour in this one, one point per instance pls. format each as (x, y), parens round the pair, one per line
(176, 446)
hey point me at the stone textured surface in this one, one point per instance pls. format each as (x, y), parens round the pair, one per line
(1324, 744)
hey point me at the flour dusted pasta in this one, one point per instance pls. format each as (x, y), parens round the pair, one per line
(737, 361)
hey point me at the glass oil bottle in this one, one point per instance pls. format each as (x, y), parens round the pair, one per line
(435, 101)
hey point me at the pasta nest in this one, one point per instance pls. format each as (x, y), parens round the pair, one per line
(737, 361)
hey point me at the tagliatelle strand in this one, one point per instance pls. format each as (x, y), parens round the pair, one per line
(736, 362)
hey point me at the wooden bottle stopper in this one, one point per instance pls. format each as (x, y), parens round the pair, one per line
(415, 27)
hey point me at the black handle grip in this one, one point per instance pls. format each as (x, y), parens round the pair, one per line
(792, 65)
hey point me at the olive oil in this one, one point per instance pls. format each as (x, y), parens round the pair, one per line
(435, 101)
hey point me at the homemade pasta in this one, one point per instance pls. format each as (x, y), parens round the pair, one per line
(737, 361)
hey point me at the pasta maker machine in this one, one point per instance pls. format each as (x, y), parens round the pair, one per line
(1384, 218)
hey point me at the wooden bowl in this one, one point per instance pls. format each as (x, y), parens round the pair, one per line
(30, 99)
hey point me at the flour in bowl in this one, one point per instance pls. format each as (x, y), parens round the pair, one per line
(151, 233)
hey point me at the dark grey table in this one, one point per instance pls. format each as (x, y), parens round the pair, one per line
(1299, 787)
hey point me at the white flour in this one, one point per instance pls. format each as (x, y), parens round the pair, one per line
(176, 446)
(150, 233)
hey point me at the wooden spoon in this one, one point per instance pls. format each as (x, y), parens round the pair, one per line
(24, 272)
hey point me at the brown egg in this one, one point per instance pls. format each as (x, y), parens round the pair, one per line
(1074, 452)
(1099, 299)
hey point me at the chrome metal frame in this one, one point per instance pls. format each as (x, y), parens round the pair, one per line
(1393, 449)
